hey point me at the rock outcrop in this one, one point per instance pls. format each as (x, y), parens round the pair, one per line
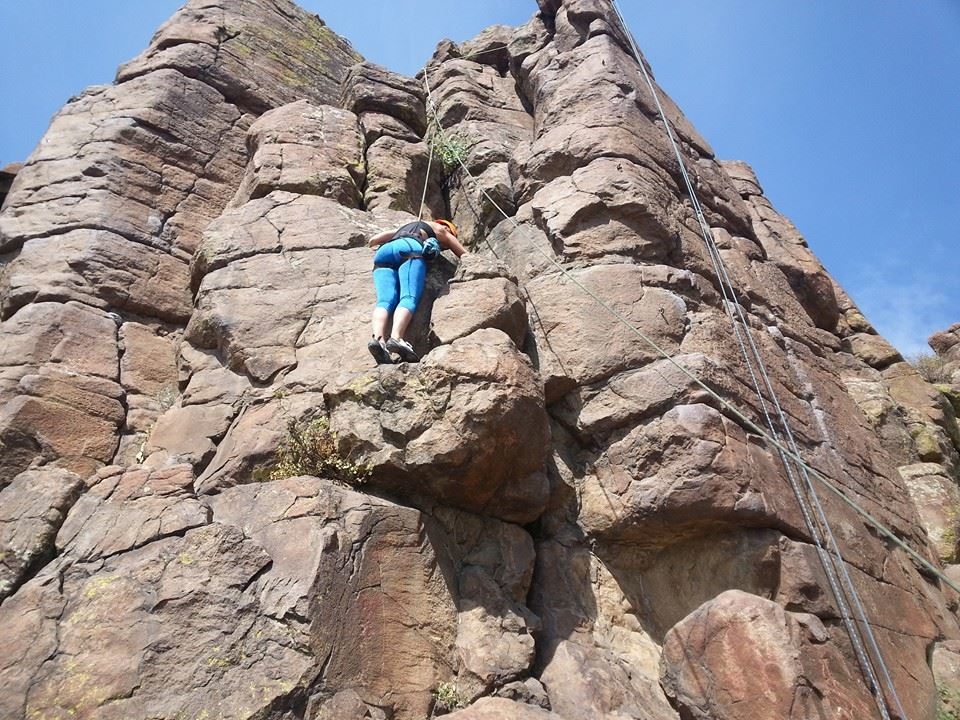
(7, 174)
(565, 510)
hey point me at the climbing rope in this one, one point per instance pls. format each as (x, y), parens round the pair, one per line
(838, 577)
(735, 412)
(426, 179)
(430, 142)
(814, 517)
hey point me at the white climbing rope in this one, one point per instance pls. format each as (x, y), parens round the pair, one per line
(833, 560)
(436, 120)
(426, 179)
(838, 577)
(432, 135)
(734, 411)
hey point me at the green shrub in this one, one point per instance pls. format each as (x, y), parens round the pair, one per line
(310, 448)
(932, 367)
(450, 150)
(447, 698)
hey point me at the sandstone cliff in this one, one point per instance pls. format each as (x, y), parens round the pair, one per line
(558, 522)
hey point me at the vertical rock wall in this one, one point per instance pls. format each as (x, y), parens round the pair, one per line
(101, 223)
(556, 521)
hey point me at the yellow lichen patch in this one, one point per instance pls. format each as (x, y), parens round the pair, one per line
(97, 586)
(359, 385)
(221, 661)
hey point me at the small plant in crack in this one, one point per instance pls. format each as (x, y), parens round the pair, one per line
(450, 150)
(447, 698)
(931, 366)
(310, 448)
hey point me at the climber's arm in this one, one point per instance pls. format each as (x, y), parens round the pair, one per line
(380, 238)
(448, 240)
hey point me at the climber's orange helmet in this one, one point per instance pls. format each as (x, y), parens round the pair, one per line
(448, 224)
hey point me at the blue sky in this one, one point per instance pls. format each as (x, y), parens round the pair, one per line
(849, 111)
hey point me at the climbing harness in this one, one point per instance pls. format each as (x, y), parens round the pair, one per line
(429, 248)
(838, 576)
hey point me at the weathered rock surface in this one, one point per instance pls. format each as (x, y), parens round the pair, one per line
(563, 511)
(392, 115)
(495, 708)
(585, 681)
(307, 149)
(7, 174)
(257, 55)
(466, 426)
(108, 210)
(947, 345)
(946, 671)
(32, 509)
(742, 656)
(59, 377)
(482, 295)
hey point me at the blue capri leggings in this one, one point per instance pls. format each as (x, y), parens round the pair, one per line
(397, 277)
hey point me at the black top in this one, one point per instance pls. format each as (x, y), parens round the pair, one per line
(410, 230)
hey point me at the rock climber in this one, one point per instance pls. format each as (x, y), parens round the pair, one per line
(399, 274)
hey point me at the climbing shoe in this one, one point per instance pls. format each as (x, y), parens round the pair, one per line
(379, 351)
(403, 349)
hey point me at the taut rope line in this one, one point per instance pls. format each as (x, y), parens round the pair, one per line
(832, 563)
(725, 404)
(832, 560)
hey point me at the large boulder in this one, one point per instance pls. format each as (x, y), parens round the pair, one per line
(482, 294)
(586, 682)
(59, 380)
(741, 656)
(284, 255)
(492, 563)
(138, 619)
(947, 345)
(466, 427)
(374, 94)
(256, 55)
(308, 149)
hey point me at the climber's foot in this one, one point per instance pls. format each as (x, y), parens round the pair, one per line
(403, 349)
(379, 352)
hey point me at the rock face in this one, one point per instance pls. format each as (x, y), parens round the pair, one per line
(214, 504)
(7, 174)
